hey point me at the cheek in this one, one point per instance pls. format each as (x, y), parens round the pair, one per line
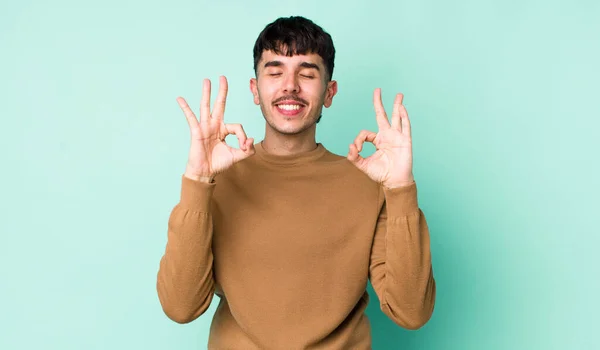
(263, 96)
(318, 90)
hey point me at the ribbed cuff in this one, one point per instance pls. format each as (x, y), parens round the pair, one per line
(196, 195)
(401, 201)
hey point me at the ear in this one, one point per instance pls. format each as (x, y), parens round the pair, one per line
(331, 91)
(254, 90)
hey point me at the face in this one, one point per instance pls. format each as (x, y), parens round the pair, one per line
(292, 91)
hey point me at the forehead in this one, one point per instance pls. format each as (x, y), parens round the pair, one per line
(294, 60)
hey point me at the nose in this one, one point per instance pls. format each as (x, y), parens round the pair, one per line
(290, 85)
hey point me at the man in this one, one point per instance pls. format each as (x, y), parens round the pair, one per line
(285, 232)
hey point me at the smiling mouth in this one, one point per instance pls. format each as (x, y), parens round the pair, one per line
(290, 109)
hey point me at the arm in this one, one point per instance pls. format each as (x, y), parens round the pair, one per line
(185, 283)
(400, 270)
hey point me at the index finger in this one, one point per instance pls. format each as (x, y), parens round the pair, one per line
(382, 119)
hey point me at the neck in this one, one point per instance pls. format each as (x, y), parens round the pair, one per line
(284, 145)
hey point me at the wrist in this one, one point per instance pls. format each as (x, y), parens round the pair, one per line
(399, 184)
(199, 178)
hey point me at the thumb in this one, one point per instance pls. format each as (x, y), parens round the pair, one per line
(355, 158)
(246, 151)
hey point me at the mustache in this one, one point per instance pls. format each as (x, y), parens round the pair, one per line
(291, 97)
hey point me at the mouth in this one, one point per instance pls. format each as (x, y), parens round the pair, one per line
(290, 108)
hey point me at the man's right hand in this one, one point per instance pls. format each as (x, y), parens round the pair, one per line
(209, 154)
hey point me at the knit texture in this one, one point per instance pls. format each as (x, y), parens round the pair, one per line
(288, 244)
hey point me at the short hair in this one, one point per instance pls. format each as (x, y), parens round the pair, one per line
(295, 35)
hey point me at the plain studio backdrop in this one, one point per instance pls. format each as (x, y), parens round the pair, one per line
(502, 96)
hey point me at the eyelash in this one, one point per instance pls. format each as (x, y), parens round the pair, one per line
(306, 76)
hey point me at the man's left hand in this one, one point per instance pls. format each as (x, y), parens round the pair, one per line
(391, 164)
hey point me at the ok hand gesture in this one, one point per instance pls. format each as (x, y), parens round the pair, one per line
(209, 154)
(391, 164)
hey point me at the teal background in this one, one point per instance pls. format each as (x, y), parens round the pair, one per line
(503, 101)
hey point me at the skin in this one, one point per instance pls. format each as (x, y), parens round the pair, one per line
(392, 163)
(303, 79)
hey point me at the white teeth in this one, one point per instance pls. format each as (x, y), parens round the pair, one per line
(289, 107)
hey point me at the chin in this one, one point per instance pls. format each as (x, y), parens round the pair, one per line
(289, 129)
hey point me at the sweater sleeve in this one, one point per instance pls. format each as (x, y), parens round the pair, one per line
(400, 269)
(185, 282)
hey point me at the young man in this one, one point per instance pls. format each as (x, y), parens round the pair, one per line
(286, 233)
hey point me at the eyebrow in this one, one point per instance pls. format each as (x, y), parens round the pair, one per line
(303, 65)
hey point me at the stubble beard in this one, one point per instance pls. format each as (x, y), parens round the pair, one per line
(266, 112)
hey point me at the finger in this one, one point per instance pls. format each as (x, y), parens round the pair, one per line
(250, 144)
(364, 135)
(238, 130)
(355, 158)
(205, 101)
(382, 119)
(219, 109)
(239, 154)
(396, 117)
(246, 144)
(189, 115)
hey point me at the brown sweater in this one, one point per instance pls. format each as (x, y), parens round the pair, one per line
(288, 244)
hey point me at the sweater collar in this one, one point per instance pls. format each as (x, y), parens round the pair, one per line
(299, 158)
